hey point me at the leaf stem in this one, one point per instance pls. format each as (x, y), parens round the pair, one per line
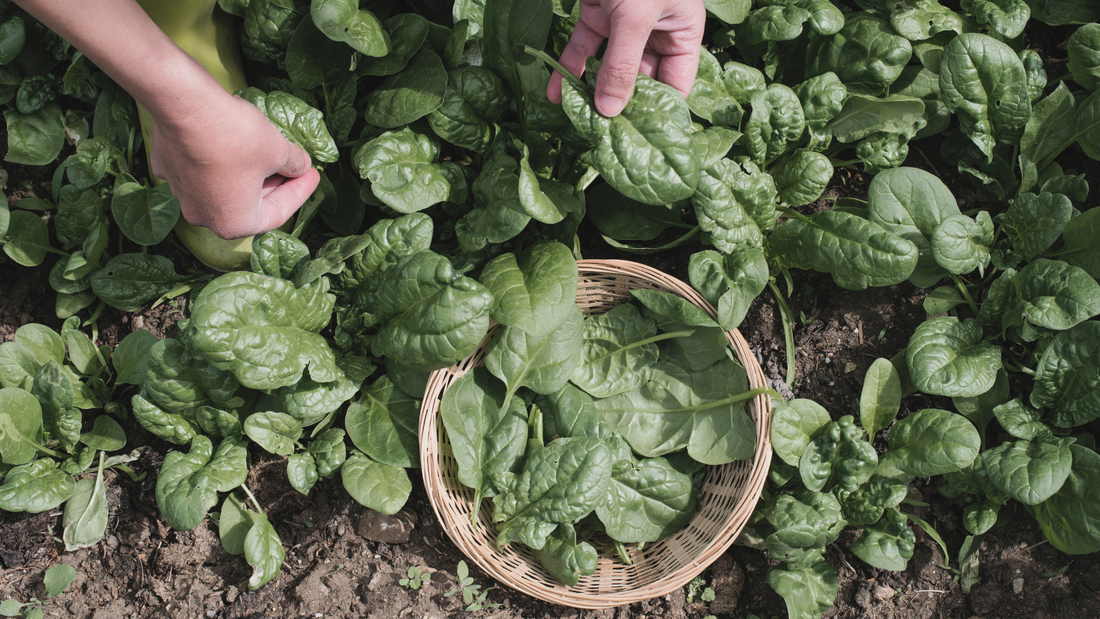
(788, 329)
(965, 293)
(253, 498)
(554, 64)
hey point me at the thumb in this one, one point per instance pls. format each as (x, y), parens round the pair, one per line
(295, 161)
(286, 197)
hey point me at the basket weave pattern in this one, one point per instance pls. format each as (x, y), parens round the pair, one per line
(729, 494)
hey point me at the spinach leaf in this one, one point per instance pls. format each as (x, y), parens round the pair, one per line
(487, 434)
(277, 433)
(702, 411)
(646, 153)
(410, 95)
(188, 484)
(374, 485)
(1029, 471)
(263, 329)
(534, 289)
(838, 456)
(1071, 518)
(145, 215)
(402, 168)
(299, 122)
(35, 139)
(343, 20)
(264, 551)
(794, 423)
(619, 349)
(561, 483)
(383, 424)
(1057, 295)
(543, 364)
(128, 281)
(1067, 377)
(35, 487)
(564, 558)
(807, 591)
(729, 282)
(85, 518)
(432, 315)
(1033, 222)
(887, 544)
(948, 357)
(20, 425)
(647, 500)
(932, 442)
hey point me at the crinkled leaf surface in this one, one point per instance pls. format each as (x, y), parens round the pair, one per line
(729, 282)
(646, 152)
(129, 281)
(1029, 471)
(808, 592)
(403, 171)
(263, 329)
(535, 289)
(948, 357)
(648, 500)
(264, 551)
(560, 483)
(1067, 380)
(189, 483)
(297, 121)
(887, 544)
(20, 425)
(858, 253)
(837, 456)
(961, 244)
(1034, 221)
(35, 487)
(932, 442)
(1057, 295)
(410, 95)
(617, 352)
(542, 364)
(432, 315)
(794, 423)
(343, 20)
(564, 558)
(275, 432)
(383, 424)
(378, 486)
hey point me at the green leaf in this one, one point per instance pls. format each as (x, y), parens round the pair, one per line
(983, 82)
(264, 552)
(343, 20)
(20, 425)
(129, 281)
(1033, 222)
(808, 592)
(932, 442)
(1067, 379)
(866, 54)
(1083, 49)
(729, 282)
(35, 487)
(534, 289)
(888, 544)
(647, 500)
(403, 171)
(864, 115)
(837, 457)
(432, 315)
(560, 483)
(172, 427)
(57, 579)
(263, 329)
(948, 357)
(188, 484)
(543, 364)
(383, 424)
(646, 152)
(703, 411)
(507, 26)
(377, 486)
(564, 558)
(624, 219)
(880, 398)
(297, 121)
(487, 435)
(130, 357)
(275, 432)
(1057, 295)
(145, 214)
(961, 244)
(473, 103)
(1070, 519)
(858, 253)
(794, 423)
(28, 239)
(1029, 471)
(85, 517)
(234, 523)
(60, 419)
(618, 352)
(802, 176)
(1081, 240)
(410, 95)
(35, 139)
(106, 435)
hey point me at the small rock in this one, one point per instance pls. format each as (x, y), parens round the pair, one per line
(379, 527)
(883, 593)
(1017, 585)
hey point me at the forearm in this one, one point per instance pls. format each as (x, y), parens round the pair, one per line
(124, 42)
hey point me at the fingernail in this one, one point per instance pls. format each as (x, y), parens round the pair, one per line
(610, 105)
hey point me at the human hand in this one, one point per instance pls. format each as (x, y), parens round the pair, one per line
(658, 38)
(230, 168)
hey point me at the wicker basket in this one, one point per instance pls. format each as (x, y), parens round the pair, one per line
(729, 494)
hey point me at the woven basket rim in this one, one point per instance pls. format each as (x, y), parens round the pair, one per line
(502, 565)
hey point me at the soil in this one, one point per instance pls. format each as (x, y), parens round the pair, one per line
(145, 569)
